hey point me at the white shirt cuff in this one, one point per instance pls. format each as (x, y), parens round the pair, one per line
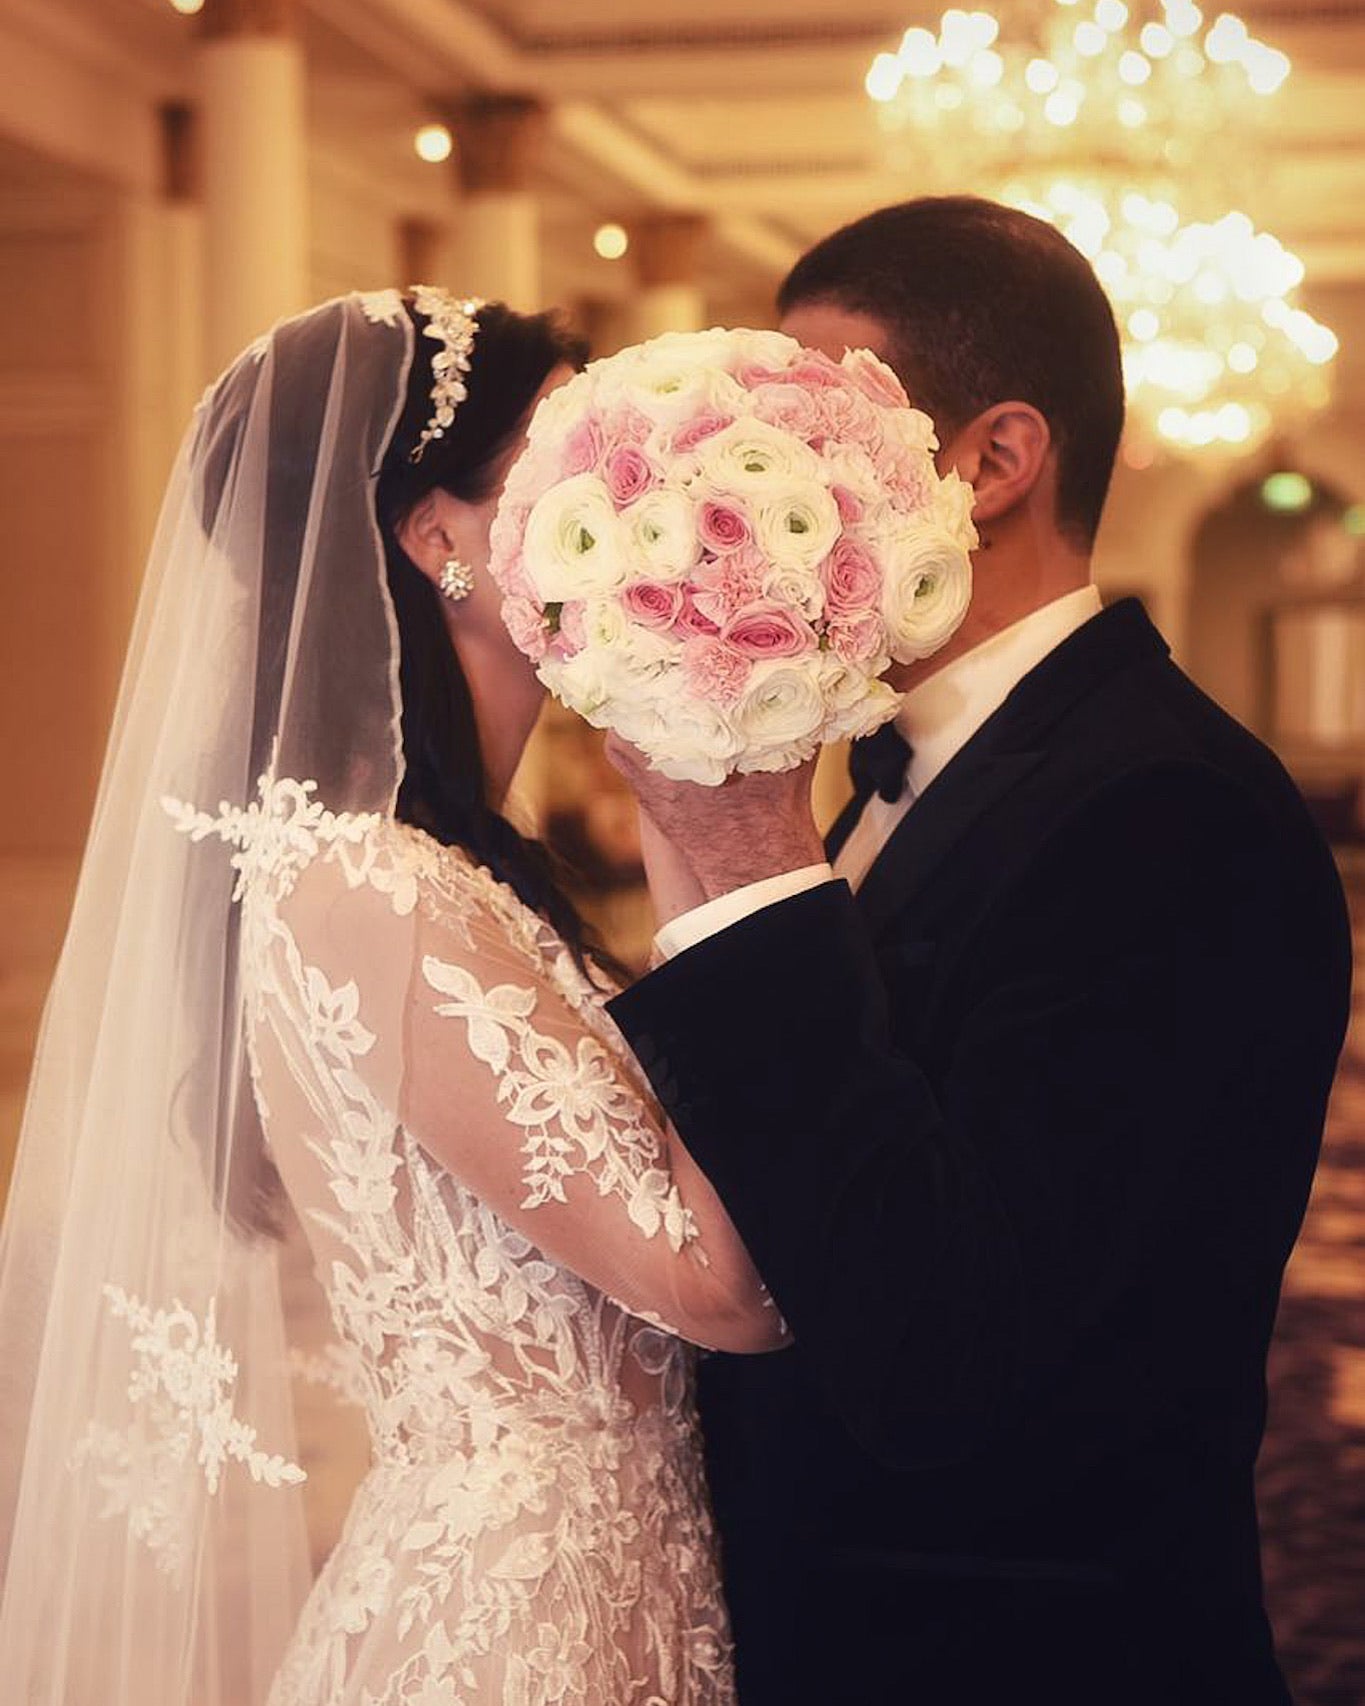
(712, 916)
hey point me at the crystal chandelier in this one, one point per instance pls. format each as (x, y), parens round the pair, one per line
(1135, 131)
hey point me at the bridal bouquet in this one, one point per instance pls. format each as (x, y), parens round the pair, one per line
(717, 542)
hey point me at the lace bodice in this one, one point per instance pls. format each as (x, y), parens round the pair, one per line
(511, 1245)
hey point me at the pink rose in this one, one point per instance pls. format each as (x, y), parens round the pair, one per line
(715, 672)
(875, 379)
(790, 407)
(853, 583)
(653, 604)
(722, 527)
(583, 448)
(728, 583)
(628, 474)
(858, 639)
(768, 630)
(850, 505)
(692, 433)
(525, 622)
(692, 620)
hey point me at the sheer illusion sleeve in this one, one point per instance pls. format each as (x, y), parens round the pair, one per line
(460, 1011)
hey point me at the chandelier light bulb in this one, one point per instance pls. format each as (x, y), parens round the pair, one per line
(1111, 15)
(1134, 69)
(1183, 18)
(1226, 41)
(611, 241)
(1090, 39)
(986, 69)
(919, 54)
(1242, 358)
(1156, 41)
(433, 143)
(883, 78)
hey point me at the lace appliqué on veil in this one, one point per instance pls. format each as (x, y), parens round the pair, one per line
(181, 1389)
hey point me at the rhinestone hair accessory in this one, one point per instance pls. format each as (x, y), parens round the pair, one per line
(452, 322)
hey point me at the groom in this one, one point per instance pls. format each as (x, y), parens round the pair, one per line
(1018, 1119)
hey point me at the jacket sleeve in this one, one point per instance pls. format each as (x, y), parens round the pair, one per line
(941, 1251)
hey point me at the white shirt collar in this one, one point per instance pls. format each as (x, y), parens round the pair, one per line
(941, 716)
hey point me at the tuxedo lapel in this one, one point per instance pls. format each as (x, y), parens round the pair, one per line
(1003, 751)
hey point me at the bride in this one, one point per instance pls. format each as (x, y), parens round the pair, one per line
(315, 982)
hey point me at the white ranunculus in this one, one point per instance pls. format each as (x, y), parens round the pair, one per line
(857, 705)
(778, 717)
(912, 428)
(685, 739)
(798, 528)
(582, 682)
(953, 500)
(751, 459)
(575, 544)
(926, 588)
(673, 377)
(662, 527)
(768, 349)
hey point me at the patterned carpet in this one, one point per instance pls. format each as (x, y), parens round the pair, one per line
(1312, 1471)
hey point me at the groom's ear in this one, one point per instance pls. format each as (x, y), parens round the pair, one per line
(1001, 453)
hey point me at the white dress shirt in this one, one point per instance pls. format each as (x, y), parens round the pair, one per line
(937, 719)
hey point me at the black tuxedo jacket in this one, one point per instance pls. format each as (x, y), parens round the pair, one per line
(1020, 1139)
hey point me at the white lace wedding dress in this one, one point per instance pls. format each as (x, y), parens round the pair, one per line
(534, 1526)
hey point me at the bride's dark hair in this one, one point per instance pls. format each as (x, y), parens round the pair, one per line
(444, 789)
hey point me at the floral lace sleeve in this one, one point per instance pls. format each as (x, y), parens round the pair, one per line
(458, 1007)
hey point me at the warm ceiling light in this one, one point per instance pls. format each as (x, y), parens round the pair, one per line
(188, 8)
(610, 241)
(1287, 492)
(434, 143)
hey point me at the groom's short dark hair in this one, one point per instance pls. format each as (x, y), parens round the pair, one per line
(983, 304)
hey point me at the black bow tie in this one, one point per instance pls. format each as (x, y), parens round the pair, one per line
(878, 763)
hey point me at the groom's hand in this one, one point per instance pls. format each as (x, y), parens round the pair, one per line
(748, 828)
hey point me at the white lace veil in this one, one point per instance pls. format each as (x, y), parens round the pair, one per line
(151, 1513)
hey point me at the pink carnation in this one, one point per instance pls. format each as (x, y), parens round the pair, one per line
(627, 426)
(786, 406)
(853, 583)
(817, 372)
(722, 527)
(525, 622)
(573, 633)
(875, 379)
(844, 414)
(768, 630)
(583, 448)
(714, 671)
(728, 583)
(653, 604)
(851, 506)
(628, 473)
(857, 639)
(702, 426)
(752, 374)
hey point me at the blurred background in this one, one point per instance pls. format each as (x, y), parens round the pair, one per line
(176, 174)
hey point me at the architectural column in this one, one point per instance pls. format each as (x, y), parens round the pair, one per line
(254, 163)
(497, 242)
(669, 297)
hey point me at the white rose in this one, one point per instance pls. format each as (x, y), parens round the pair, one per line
(913, 429)
(662, 527)
(575, 544)
(767, 349)
(752, 459)
(851, 467)
(926, 588)
(582, 682)
(953, 500)
(798, 529)
(798, 588)
(779, 715)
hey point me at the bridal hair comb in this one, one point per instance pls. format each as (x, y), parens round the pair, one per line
(452, 322)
